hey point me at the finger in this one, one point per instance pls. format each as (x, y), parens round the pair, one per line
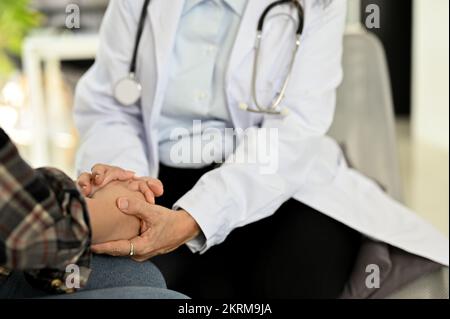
(117, 174)
(143, 228)
(156, 186)
(152, 254)
(142, 187)
(104, 174)
(137, 207)
(84, 182)
(141, 259)
(148, 194)
(98, 173)
(113, 248)
(141, 247)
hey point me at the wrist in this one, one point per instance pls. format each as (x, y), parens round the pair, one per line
(191, 229)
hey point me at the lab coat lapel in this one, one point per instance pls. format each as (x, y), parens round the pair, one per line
(164, 16)
(245, 42)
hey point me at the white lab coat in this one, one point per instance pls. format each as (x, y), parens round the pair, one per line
(312, 167)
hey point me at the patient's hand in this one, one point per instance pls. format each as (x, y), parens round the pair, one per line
(101, 175)
(107, 221)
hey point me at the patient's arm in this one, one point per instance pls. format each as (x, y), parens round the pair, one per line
(107, 221)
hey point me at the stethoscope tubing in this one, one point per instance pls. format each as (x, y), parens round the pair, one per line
(274, 108)
(139, 32)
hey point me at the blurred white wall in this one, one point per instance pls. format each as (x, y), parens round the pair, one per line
(431, 73)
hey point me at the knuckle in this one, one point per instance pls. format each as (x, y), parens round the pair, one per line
(115, 169)
(84, 176)
(98, 167)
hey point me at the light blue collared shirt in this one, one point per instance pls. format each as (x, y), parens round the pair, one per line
(196, 89)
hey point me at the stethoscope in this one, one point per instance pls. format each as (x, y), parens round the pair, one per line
(128, 90)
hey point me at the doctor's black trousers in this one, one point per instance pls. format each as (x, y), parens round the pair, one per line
(296, 253)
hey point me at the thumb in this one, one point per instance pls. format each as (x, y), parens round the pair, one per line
(136, 207)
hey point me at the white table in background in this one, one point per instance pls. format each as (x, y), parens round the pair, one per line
(42, 57)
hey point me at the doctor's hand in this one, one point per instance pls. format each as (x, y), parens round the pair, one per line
(162, 231)
(101, 175)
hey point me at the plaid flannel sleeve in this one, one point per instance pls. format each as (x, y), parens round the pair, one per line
(44, 224)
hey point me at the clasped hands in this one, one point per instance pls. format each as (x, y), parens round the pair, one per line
(122, 212)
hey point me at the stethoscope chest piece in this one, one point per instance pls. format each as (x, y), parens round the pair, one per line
(128, 90)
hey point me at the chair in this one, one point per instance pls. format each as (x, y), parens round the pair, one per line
(364, 122)
(365, 128)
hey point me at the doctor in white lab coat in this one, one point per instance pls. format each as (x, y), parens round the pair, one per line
(309, 166)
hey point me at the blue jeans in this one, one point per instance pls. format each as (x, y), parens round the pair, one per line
(111, 278)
